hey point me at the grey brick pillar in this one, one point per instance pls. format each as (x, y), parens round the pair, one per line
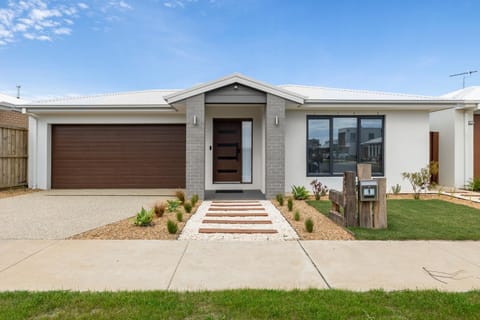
(195, 153)
(275, 146)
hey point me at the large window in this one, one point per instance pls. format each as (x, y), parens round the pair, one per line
(337, 144)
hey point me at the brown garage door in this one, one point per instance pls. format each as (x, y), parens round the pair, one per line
(118, 156)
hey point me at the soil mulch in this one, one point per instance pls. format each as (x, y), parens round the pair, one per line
(323, 229)
(13, 192)
(126, 230)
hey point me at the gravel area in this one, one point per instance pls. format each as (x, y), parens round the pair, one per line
(324, 228)
(285, 231)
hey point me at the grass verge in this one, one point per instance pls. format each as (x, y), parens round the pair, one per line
(241, 304)
(421, 220)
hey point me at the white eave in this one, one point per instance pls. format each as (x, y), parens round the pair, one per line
(232, 79)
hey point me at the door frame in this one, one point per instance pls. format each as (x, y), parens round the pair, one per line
(214, 119)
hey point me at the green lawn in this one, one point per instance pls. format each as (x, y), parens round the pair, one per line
(241, 304)
(421, 220)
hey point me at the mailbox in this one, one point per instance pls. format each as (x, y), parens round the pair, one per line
(368, 190)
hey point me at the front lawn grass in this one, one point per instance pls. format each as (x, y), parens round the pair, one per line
(421, 220)
(241, 304)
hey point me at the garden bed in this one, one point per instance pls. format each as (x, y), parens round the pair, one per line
(126, 230)
(323, 229)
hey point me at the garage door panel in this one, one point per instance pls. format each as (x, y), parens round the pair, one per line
(118, 156)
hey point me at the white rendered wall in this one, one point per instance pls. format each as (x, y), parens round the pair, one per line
(406, 147)
(39, 161)
(254, 112)
(455, 146)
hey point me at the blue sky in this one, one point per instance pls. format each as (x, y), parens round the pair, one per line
(54, 48)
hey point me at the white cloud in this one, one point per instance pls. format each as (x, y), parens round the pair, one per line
(46, 20)
(40, 14)
(63, 31)
(120, 4)
(180, 3)
(82, 5)
(44, 38)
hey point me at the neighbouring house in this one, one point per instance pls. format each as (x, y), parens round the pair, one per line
(9, 115)
(233, 133)
(13, 143)
(459, 138)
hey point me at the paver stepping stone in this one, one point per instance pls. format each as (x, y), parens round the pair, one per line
(237, 220)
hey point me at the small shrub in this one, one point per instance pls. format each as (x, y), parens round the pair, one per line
(194, 200)
(290, 204)
(396, 189)
(172, 226)
(172, 205)
(299, 192)
(159, 209)
(474, 184)
(296, 215)
(180, 196)
(179, 216)
(144, 217)
(280, 199)
(309, 225)
(319, 190)
(187, 206)
(419, 180)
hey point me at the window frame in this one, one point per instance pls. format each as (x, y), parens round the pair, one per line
(330, 119)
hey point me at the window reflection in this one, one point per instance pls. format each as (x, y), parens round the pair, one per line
(344, 148)
(337, 144)
(318, 146)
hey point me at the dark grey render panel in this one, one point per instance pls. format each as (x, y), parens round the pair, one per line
(235, 93)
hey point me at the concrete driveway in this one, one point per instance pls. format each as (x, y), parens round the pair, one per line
(58, 214)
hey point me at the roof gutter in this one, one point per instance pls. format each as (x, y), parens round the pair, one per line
(103, 107)
(376, 101)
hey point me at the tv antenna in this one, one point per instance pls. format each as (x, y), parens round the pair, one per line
(464, 74)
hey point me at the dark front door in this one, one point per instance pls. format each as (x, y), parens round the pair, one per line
(227, 150)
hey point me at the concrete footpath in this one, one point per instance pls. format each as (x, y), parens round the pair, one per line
(215, 265)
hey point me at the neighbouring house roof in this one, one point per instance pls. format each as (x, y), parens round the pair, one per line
(468, 94)
(232, 79)
(9, 103)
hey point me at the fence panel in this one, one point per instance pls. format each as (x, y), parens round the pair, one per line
(13, 156)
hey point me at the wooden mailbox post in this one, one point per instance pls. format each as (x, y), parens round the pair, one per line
(371, 213)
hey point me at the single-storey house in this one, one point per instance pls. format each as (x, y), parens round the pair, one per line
(9, 115)
(459, 138)
(233, 133)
